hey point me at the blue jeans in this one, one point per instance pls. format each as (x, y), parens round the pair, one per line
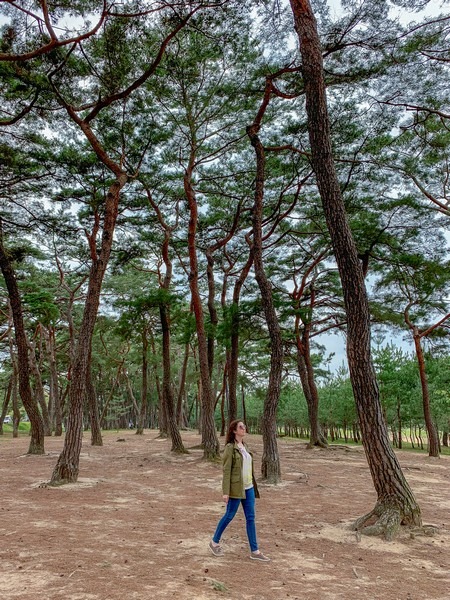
(249, 510)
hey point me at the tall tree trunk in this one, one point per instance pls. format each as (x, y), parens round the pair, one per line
(56, 416)
(244, 409)
(39, 389)
(234, 347)
(131, 393)
(225, 398)
(142, 416)
(37, 427)
(213, 318)
(111, 393)
(15, 400)
(303, 320)
(164, 313)
(270, 465)
(94, 418)
(433, 440)
(162, 417)
(445, 435)
(396, 503)
(181, 420)
(399, 424)
(6, 402)
(306, 373)
(67, 467)
(210, 440)
(168, 397)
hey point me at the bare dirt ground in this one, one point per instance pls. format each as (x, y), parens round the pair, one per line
(138, 522)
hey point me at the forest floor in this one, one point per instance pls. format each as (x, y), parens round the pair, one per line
(138, 522)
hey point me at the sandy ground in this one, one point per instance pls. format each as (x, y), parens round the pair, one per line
(138, 522)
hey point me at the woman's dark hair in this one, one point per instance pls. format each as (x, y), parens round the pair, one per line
(231, 429)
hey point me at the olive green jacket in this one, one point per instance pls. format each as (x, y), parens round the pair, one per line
(233, 480)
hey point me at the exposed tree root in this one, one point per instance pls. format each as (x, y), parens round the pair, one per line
(320, 443)
(180, 451)
(197, 447)
(428, 530)
(385, 520)
(57, 483)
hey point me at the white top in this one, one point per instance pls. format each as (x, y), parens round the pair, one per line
(246, 468)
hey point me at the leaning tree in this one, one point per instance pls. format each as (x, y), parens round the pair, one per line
(396, 503)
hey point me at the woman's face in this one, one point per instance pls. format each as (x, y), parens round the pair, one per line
(240, 429)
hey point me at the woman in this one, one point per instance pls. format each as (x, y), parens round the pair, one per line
(238, 486)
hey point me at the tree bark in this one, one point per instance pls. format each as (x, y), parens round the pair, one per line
(210, 440)
(396, 503)
(181, 419)
(162, 417)
(15, 400)
(38, 389)
(96, 432)
(168, 396)
(6, 402)
(303, 324)
(213, 318)
(142, 416)
(433, 440)
(270, 465)
(306, 373)
(399, 424)
(234, 347)
(36, 445)
(56, 416)
(113, 386)
(67, 467)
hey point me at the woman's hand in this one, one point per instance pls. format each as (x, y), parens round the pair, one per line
(225, 499)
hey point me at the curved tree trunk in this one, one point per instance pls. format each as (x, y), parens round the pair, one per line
(181, 419)
(270, 466)
(38, 389)
(37, 427)
(67, 467)
(234, 347)
(164, 313)
(56, 417)
(6, 402)
(305, 366)
(210, 440)
(15, 401)
(433, 440)
(167, 390)
(396, 503)
(161, 408)
(14, 386)
(96, 432)
(142, 416)
(399, 424)
(213, 318)
(305, 371)
(113, 386)
(168, 397)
